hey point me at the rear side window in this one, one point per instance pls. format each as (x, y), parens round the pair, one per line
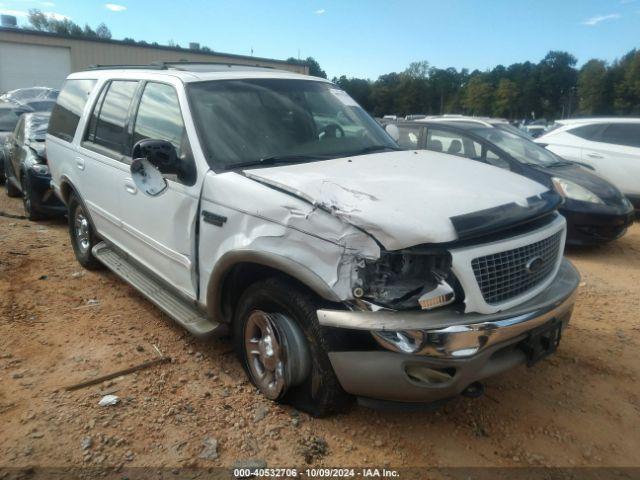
(110, 115)
(627, 134)
(453, 143)
(409, 136)
(588, 132)
(68, 110)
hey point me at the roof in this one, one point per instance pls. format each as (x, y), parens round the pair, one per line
(466, 125)
(486, 121)
(574, 121)
(191, 71)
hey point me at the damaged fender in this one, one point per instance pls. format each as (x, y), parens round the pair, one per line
(273, 228)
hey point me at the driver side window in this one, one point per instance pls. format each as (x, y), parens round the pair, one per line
(492, 158)
(159, 117)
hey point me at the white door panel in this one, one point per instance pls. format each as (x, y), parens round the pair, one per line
(616, 163)
(160, 231)
(99, 180)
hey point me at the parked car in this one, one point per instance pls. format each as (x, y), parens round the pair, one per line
(39, 105)
(32, 93)
(609, 146)
(27, 170)
(500, 123)
(596, 211)
(9, 115)
(340, 264)
(535, 131)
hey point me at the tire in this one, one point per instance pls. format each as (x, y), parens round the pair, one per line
(82, 235)
(290, 309)
(12, 190)
(30, 212)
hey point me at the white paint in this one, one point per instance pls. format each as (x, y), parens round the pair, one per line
(260, 218)
(23, 65)
(401, 198)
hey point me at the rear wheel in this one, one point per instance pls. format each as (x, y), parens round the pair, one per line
(29, 211)
(283, 348)
(82, 235)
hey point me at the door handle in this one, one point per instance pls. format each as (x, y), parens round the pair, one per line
(80, 163)
(594, 155)
(130, 187)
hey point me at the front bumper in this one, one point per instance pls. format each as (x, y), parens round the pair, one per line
(586, 227)
(635, 201)
(465, 347)
(43, 197)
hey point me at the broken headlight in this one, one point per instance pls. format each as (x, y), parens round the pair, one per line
(406, 280)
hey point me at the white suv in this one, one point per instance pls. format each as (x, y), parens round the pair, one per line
(610, 146)
(270, 206)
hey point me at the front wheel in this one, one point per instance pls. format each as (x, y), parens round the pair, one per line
(27, 194)
(283, 348)
(82, 235)
(12, 190)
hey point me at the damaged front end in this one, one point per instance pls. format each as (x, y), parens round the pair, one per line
(406, 280)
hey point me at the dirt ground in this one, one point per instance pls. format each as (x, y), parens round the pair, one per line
(60, 324)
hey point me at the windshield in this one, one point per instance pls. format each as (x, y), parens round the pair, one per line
(523, 150)
(511, 129)
(8, 119)
(36, 127)
(255, 121)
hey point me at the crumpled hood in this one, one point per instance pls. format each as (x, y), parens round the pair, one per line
(401, 198)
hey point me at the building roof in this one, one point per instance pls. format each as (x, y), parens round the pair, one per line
(26, 31)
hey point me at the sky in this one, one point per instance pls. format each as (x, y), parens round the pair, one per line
(367, 38)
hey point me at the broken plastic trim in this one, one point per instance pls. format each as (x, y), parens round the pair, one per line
(398, 280)
(492, 220)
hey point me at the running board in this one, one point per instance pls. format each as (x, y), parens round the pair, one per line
(180, 310)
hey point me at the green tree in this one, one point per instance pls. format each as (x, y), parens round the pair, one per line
(505, 98)
(592, 88)
(103, 31)
(627, 88)
(556, 78)
(478, 96)
(312, 63)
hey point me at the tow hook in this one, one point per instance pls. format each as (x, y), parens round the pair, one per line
(475, 390)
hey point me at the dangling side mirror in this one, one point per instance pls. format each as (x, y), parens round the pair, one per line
(393, 131)
(152, 159)
(147, 177)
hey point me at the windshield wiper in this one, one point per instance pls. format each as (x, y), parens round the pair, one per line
(372, 149)
(560, 164)
(278, 159)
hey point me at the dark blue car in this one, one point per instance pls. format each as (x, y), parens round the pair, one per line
(26, 167)
(596, 211)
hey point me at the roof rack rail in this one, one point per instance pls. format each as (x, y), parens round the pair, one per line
(166, 65)
(96, 66)
(177, 64)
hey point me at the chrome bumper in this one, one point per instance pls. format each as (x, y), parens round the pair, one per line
(474, 345)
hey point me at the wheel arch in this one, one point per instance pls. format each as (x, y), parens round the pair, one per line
(237, 270)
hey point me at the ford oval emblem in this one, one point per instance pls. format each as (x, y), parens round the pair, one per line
(534, 264)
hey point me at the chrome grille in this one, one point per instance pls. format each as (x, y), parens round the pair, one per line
(504, 275)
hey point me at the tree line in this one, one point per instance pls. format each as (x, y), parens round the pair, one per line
(553, 88)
